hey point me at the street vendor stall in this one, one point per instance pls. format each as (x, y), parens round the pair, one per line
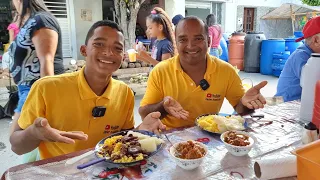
(284, 20)
(275, 135)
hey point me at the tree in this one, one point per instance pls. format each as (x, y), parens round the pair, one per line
(311, 2)
(126, 14)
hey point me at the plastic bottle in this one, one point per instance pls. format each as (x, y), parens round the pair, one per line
(309, 76)
(309, 133)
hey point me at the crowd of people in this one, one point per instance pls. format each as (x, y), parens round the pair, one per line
(55, 114)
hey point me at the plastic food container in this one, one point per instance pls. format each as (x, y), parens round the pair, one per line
(308, 161)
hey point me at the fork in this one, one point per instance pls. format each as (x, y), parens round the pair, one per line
(175, 149)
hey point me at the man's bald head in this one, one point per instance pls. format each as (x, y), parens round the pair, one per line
(193, 18)
(192, 41)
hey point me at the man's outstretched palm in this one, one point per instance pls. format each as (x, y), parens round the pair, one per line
(174, 108)
(253, 99)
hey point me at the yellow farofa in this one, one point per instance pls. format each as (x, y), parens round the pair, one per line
(110, 141)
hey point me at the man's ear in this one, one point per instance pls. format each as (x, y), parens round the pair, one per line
(83, 50)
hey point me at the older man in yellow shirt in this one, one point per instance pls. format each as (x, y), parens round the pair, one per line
(195, 83)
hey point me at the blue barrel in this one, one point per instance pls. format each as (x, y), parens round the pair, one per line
(224, 47)
(268, 48)
(298, 34)
(226, 37)
(278, 62)
(292, 45)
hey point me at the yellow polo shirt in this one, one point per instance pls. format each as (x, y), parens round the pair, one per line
(67, 102)
(168, 79)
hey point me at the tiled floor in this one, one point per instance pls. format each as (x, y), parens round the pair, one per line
(9, 159)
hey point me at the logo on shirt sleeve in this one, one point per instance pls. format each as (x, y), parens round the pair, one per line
(213, 97)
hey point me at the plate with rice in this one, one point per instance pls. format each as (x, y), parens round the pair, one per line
(128, 147)
(221, 123)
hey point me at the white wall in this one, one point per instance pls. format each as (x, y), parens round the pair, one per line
(229, 17)
(253, 3)
(174, 7)
(80, 27)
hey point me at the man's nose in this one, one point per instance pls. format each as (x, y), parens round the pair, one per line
(107, 52)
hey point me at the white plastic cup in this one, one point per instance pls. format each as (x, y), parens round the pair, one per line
(132, 55)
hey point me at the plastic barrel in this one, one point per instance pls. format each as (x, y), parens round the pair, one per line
(298, 34)
(226, 37)
(236, 50)
(292, 45)
(224, 47)
(252, 47)
(268, 48)
(278, 62)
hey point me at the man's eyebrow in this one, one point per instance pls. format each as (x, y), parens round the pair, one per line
(100, 39)
(199, 35)
(182, 36)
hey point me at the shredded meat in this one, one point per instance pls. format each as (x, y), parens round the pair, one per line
(190, 150)
(236, 139)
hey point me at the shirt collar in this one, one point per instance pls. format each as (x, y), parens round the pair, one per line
(211, 65)
(85, 90)
(308, 48)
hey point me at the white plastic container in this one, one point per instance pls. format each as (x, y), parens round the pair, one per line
(310, 74)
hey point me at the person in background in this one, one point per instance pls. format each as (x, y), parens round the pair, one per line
(159, 27)
(57, 117)
(176, 19)
(215, 34)
(13, 28)
(174, 87)
(32, 58)
(289, 81)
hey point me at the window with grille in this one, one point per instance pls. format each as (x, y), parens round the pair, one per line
(59, 8)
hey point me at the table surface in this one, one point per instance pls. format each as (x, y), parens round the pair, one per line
(276, 135)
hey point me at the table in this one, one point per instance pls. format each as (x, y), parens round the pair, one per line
(274, 139)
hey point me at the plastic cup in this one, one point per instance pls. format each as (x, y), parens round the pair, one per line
(132, 55)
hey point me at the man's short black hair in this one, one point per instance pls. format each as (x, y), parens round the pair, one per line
(206, 28)
(107, 23)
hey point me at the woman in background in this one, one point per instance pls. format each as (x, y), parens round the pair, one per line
(160, 27)
(36, 51)
(215, 34)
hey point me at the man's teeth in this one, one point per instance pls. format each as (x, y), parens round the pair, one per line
(191, 52)
(107, 62)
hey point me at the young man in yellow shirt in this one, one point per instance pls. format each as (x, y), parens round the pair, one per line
(72, 112)
(195, 83)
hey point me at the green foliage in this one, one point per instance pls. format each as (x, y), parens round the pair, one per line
(311, 2)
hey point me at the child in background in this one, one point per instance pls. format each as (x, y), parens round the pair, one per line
(159, 27)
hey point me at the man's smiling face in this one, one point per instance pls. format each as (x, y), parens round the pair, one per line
(104, 50)
(192, 41)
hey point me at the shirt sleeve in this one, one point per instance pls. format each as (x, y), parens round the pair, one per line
(154, 93)
(298, 65)
(235, 90)
(167, 48)
(34, 106)
(12, 26)
(44, 21)
(129, 124)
